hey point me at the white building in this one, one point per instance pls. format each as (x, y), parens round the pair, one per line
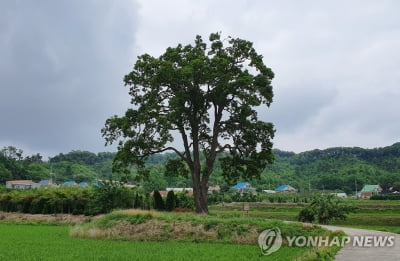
(21, 184)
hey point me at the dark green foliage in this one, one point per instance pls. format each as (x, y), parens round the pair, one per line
(80, 157)
(208, 93)
(245, 197)
(176, 168)
(306, 215)
(113, 218)
(184, 201)
(155, 181)
(324, 209)
(337, 169)
(158, 201)
(5, 174)
(215, 198)
(71, 200)
(48, 201)
(227, 197)
(137, 202)
(385, 197)
(111, 195)
(170, 202)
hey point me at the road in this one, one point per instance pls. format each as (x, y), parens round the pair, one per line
(382, 253)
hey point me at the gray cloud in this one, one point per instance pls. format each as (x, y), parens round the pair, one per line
(292, 107)
(62, 64)
(336, 65)
(335, 62)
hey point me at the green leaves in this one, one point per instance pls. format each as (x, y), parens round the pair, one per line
(325, 208)
(207, 93)
(175, 168)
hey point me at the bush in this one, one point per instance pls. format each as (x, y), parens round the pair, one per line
(158, 201)
(386, 197)
(325, 209)
(112, 195)
(184, 201)
(74, 200)
(227, 198)
(170, 202)
(306, 215)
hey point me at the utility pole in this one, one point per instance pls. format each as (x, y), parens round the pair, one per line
(355, 181)
(51, 175)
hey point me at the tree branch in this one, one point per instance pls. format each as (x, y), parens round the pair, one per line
(188, 159)
(170, 148)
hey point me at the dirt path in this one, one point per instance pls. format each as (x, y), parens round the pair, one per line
(382, 253)
(59, 218)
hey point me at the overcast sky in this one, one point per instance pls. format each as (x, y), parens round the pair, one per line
(336, 65)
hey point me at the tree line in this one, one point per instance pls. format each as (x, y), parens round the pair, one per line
(89, 200)
(344, 169)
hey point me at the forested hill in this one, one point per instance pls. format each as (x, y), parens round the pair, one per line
(339, 168)
(330, 169)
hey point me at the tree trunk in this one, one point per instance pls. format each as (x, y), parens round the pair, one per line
(200, 198)
(199, 190)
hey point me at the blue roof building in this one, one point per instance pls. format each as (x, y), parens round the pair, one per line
(46, 183)
(83, 184)
(286, 188)
(69, 183)
(244, 187)
(241, 185)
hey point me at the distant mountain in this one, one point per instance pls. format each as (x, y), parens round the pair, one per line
(341, 168)
(338, 168)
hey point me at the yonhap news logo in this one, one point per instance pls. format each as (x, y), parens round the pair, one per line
(270, 241)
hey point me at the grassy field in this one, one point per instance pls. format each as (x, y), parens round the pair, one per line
(378, 215)
(41, 242)
(227, 234)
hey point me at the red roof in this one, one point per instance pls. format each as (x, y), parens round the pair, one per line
(21, 181)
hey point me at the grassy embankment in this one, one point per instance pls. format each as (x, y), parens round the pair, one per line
(381, 215)
(137, 235)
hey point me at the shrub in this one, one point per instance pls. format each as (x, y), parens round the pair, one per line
(76, 200)
(227, 198)
(325, 209)
(158, 201)
(170, 201)
(386, 197)
(306, 215)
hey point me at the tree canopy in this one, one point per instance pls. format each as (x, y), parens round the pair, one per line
(206, 94)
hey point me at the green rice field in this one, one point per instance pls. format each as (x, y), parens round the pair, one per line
(43, 242)
(381, 215)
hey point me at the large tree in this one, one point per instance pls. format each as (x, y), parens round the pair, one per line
(207, 95)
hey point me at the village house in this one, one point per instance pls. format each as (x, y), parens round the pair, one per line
(47, 183)
(244, 187)
(369, 190)
(340, 195)
(164, 193)
(70, 183)
(21, 184)
(188, 191)
(286, 189)
(212, 189)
